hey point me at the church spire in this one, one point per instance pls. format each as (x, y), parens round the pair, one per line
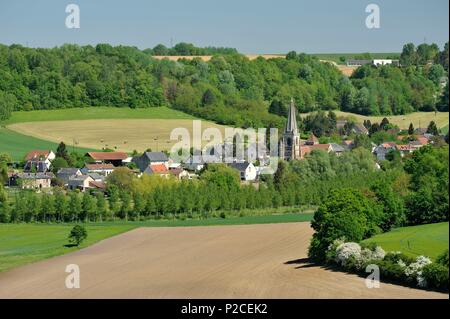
(291, 125)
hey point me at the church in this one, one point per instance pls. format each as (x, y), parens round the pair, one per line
(290, 148)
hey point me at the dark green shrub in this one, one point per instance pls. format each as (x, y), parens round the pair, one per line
(436, 276)
(346, 213)
(391, 271)
(77, 235)
(394, 258)
(443, 259)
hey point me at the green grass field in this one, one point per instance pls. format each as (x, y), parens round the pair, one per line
(18, 145)
(428, 240)
(335, 57)
(93, 113)
(26, 243)
(22, 244)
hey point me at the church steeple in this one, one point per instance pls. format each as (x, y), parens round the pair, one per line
(291, 125)
(290, 142)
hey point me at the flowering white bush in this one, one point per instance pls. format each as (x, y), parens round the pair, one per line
(377, 254)
(352, 255)
(414, 270)
(347, 250)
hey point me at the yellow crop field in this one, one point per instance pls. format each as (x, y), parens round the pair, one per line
(121, 134)
(419, 119)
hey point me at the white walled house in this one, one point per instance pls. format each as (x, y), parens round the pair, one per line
(45, 156)
(247, 171)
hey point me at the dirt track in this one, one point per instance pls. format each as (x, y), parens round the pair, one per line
(249, 261)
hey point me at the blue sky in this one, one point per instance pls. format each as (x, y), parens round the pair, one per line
(251, 26)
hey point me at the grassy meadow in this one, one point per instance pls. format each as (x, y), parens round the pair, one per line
(22, 244)
(18, 145)
(26, 243)
(430, 240)
(96, 112)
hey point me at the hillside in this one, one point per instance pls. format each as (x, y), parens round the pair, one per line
(419, 119)
(429, 240)
(228, 89)
(18, 145)
(123, 129)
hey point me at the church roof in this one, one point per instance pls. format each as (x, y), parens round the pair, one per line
(291, 125)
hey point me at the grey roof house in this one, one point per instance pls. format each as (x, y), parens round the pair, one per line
(65, 173)
(143, 161)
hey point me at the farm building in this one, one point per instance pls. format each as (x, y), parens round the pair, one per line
(115, 158)
(358, 62)
(379, 62)
(103, 169)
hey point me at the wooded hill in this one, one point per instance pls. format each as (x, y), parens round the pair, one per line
(229, 89)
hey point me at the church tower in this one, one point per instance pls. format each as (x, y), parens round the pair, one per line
(290, 142)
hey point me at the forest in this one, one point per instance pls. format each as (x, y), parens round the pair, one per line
(229, 89)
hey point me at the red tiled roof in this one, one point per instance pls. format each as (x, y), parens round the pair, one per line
(422, 140)
(158, 168)
(99, 166)
(176, 171)
(108, 156)
(95, 184)
(389, 144)
(36, 154)
(324, 147)
(304, 150)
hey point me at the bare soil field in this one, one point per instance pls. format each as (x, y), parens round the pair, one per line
(121, 134)
(246, 261)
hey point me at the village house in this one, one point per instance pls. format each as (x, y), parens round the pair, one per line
(337, 149)
(149, 158)
(40, 158)
(179, 173)
(247, 171)
(33, 180)
(114, 158)
(194, 164)
(33, 166)
(103, 169)
(81, 182)
(97, 185)
(383, 149)
(97, 177)
(157, 169)
(405, 149)
(64, 173)
(359, 128)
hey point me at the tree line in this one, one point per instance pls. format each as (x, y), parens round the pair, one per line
(229, 89)
(410, 190)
